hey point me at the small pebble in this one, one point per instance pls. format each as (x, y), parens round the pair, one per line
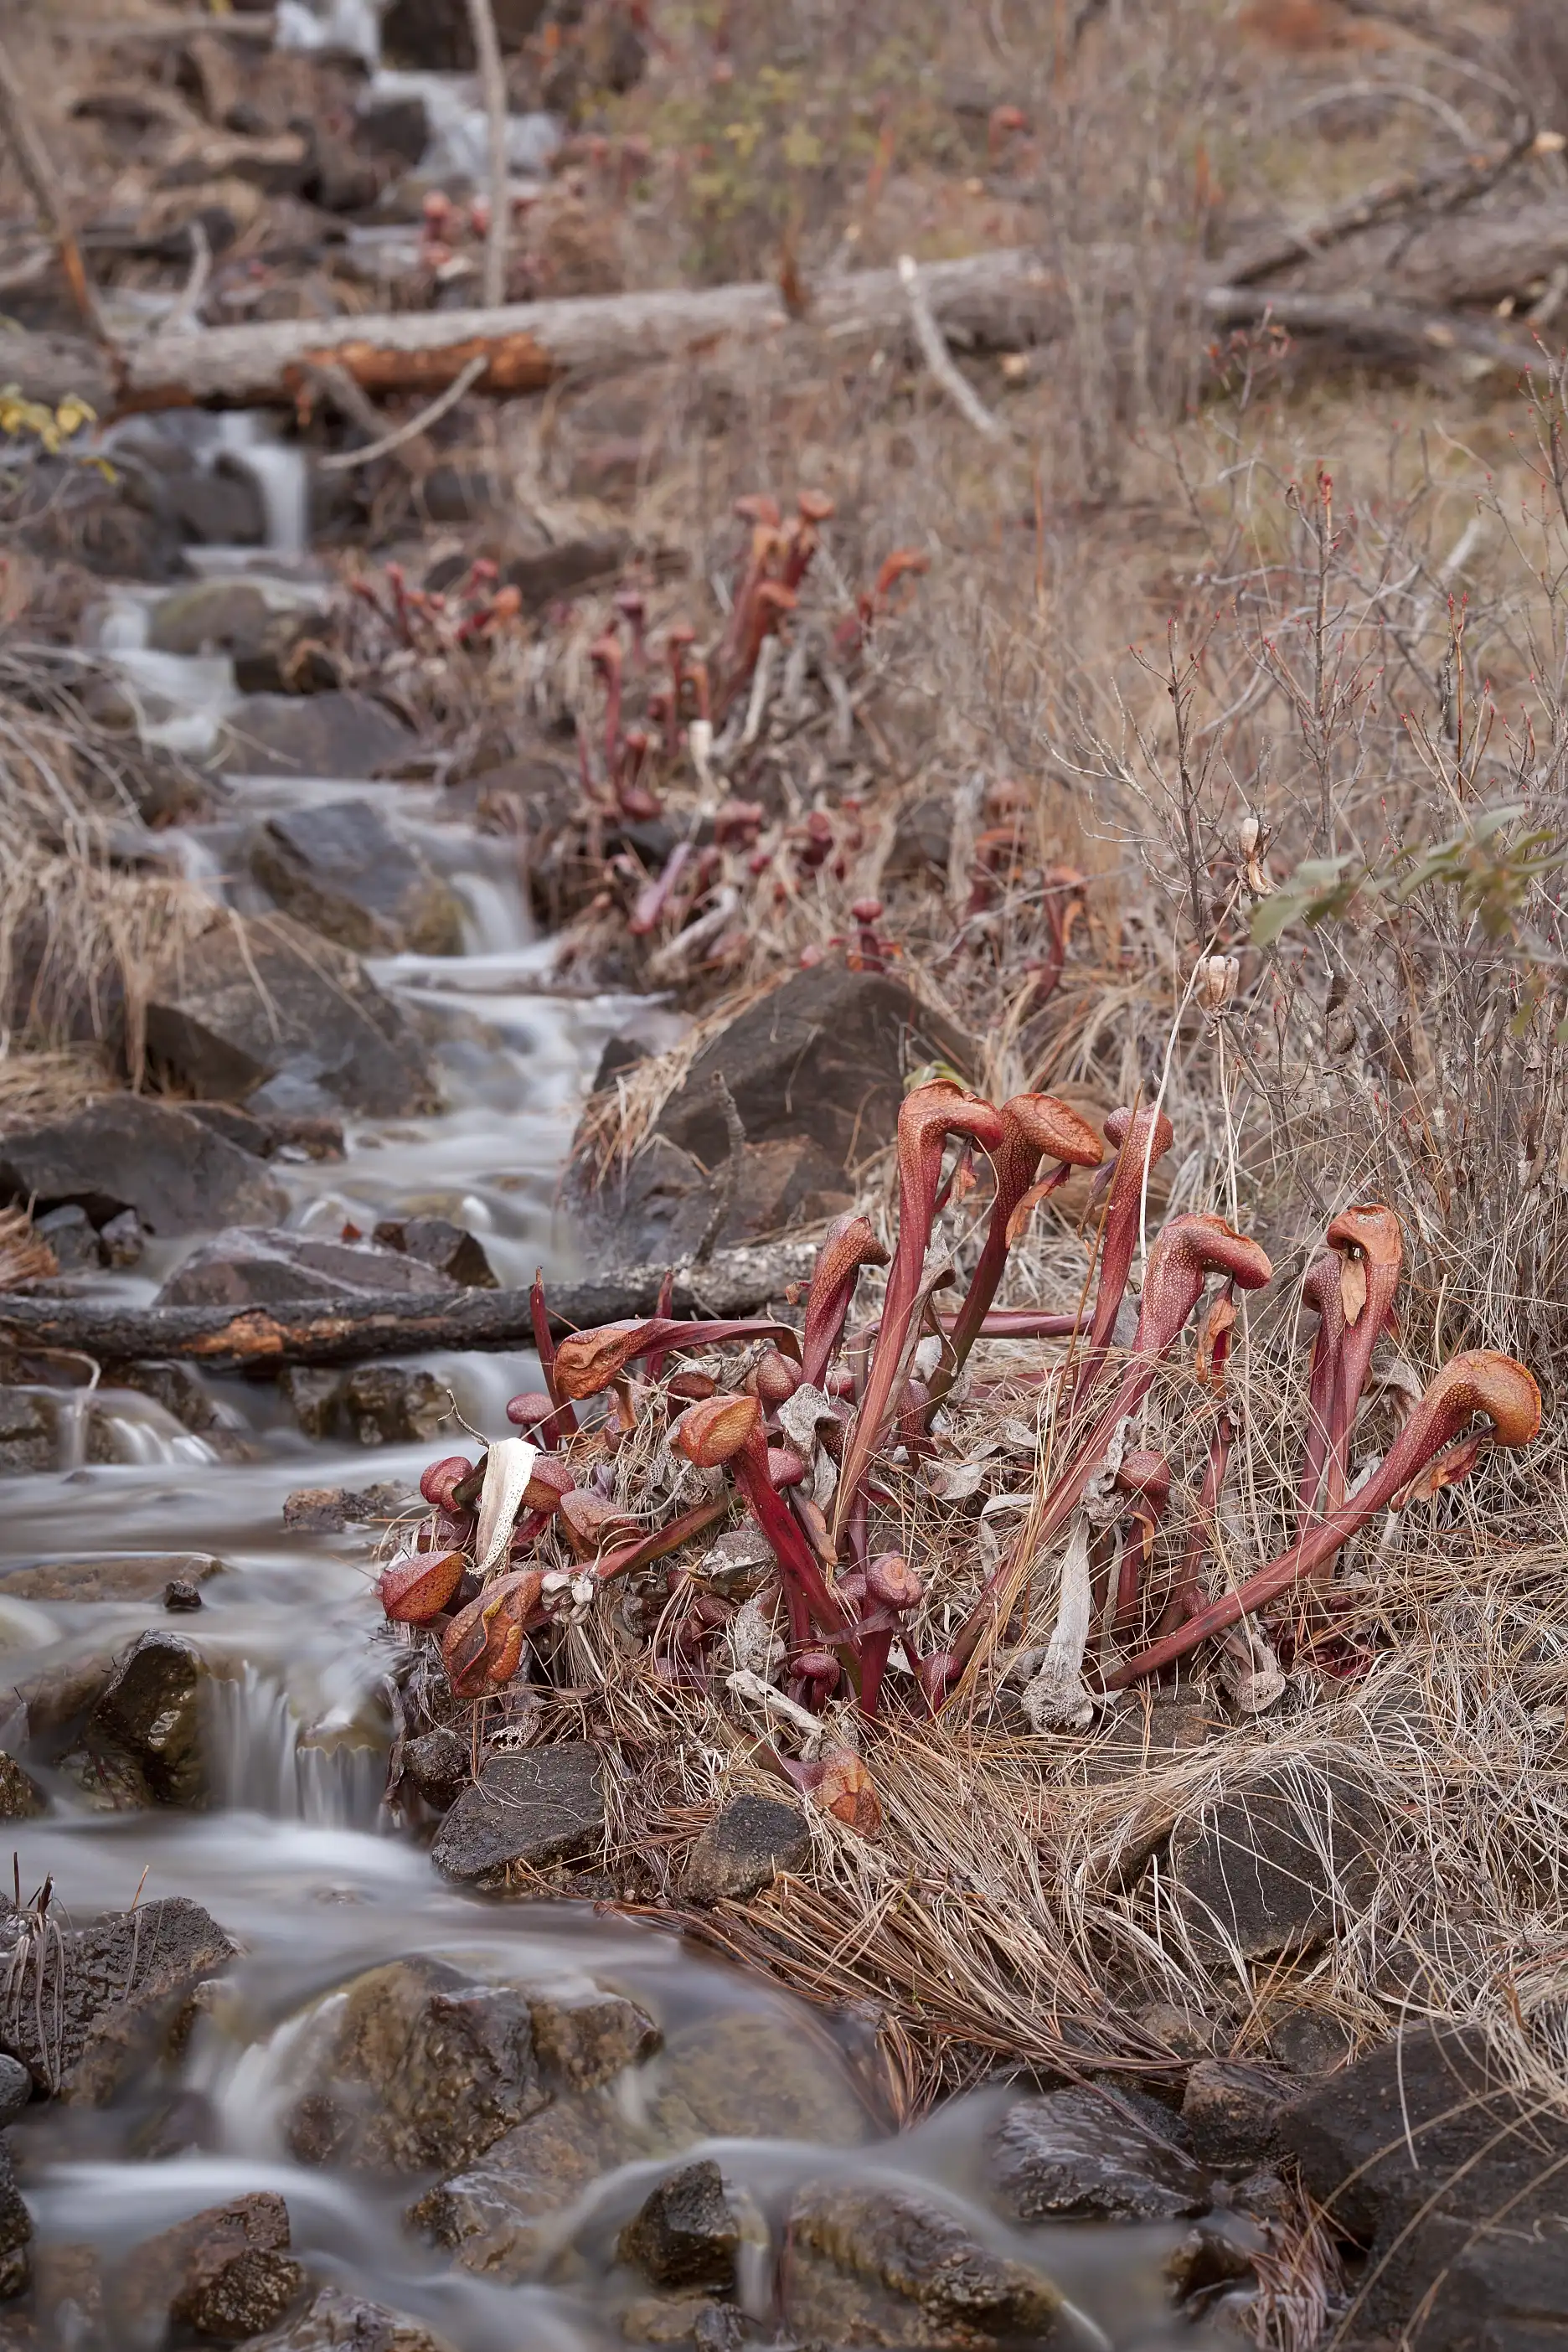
(181, 1593)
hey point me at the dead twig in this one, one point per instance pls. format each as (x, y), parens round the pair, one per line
(938, 359)
(492, 82)
(44, 187)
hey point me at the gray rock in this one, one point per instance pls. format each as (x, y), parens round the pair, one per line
(261, 1008)
(587, 2039)
(922, 840)
(684, 2319)
(494, 2219)
(223, 509)
(339, 2321)
(122, 1577)
(181, 1596)
(1428, 2155)
(327, 1510)
(748, 2075)
(180, 1391)
(144, 1735)
(894, 2268)
(21, 1799)
(226, 2272)
(530, 1807)
(686, 2233)
(123, 1241)
(427, 35)
(743, 1848)
(1279, 1863)
(292, 654)
(311, 1393)
(141, 1966)
(29, 1432)
(420, 2069)
(16, 2089)
(210, 617)
(340, 867)
(127, 1152)
(1232, 2109)
(339, 735)
(1080, 2154)
(70, 1233)
(561, 571)
(393, 1404)
(15, 2231)
(246, 1266)
(436, 1242)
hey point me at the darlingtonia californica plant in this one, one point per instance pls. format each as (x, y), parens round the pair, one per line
(780, 1501)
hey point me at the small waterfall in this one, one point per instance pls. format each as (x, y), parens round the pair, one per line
(251, 440)
(265, 1759)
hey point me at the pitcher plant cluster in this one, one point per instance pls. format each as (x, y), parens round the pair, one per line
(818, 1434)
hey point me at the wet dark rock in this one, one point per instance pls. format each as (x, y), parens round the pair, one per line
(438, 1764)
(225, 2273)
(29, 1438)
(309, 1137)
(15, 2231)
(451, 1249)
(179, 1391)
(683, 2319)
(1209, 2258)
(667, 1200)
(619, 1055)
(396, 127)
(125, 1151)
(493, 2219)
(1232, 2109)
(108, 1576)
(560, 571)
(311, 1393)
(339, 866)
(393, 1404)
(121, 1242)
(335, 736)
(420, 2069)
(21, 1799)
(291, 656)
(1083, 2154)
(922, 840)
(218, 616)
(144, 1736)
(141, 1967)
(268, 1266)
(1277, 1865)
(893, 2268)
(327, 1510)
(16, 2089)
(584, 2040)
(1307, 2042)
(432, 38)
(748, 2075)
(262, 1004)
(686, 2233)
(1427, 2153)
(223, 509)
(70, 1233)
(181, 1596)
(529, 1808)
(743, 1848)
(56, 1700)
(339, 2321)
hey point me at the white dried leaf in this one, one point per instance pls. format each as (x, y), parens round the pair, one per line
(1056, 1697)
(954, 1482)
(509, 1466)
(752, 1640)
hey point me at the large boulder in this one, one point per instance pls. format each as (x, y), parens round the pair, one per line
(1430, 2155)
(135, 1967)
(265, 1010)
(815, 1071)
(894, 2268)
(339, 866)
(416, 2068)
(127, 1152)
(270, 1267)
(1277, 1863)
(337, 735)
(225, 2273)
(530, 1807)
(1087, 2156)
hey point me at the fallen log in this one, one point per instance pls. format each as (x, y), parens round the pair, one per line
(265, 1338)
(1369, 323)
(993, 299)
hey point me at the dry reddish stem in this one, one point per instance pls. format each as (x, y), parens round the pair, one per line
(727, 1431)
(563, 1422)
(1480, 1382)
(590, 1360)
(1144, 1478)
(849, 1243)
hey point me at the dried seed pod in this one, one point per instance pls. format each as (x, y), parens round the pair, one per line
(891, 1581)
(418, 1586)
(846, 1790)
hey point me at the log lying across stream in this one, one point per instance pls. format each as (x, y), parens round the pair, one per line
(348, 1331)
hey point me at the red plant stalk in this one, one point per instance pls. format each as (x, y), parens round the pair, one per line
(605, 652)
(1365, 1240)
(1416, 1463)
(659, 1541)
(892, 1590)
(563, 1423)
(589, 1362)
(849, 1243)
(1186, 1252)
(1034, 1128)
(926, 1119)
(1144, 1478)
(655, 897)
(727, 1431)
(1320, 1290)
(1140, 1137)
(653, 1366)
